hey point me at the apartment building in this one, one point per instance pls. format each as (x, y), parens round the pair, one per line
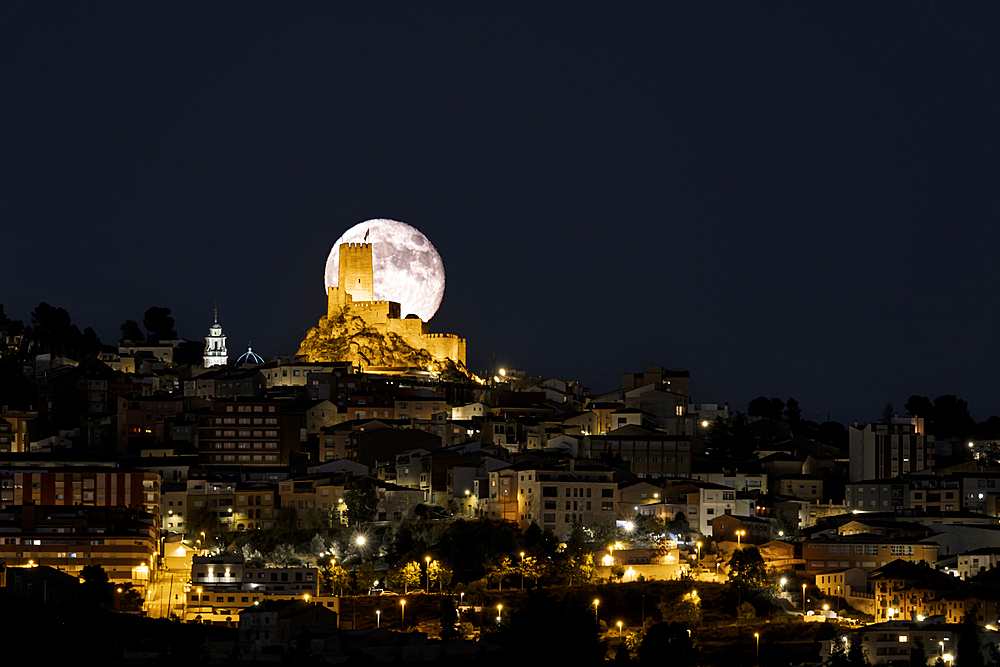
(250, 433)
(554, 498)
(122, 540)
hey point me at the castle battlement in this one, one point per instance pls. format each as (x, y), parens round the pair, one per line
(355, 293)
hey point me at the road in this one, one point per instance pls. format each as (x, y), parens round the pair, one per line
(166, 595)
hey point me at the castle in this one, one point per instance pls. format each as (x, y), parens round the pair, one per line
(355, 296)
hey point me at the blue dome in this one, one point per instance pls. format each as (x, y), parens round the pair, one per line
(250, 358)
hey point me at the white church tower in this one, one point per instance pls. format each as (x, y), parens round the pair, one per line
(215, 345)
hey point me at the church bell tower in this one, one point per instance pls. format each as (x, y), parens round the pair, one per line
(215, 345)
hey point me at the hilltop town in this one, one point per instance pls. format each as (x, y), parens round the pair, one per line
(296, 510)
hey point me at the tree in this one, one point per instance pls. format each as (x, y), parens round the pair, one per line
(439, 574)
(362, 499)
(448, 617)
(53, 332)
(130, 599)
(856, 653)
(951, 417)
(159, 324)
(919, 406)
(668, 639)
(333, 578)
(96, 588)
(406, 576)
(969, 650)
(918, 654)
(131, 333)
(284, 555)
(202, 519)
(793, 413)
(746, 612)
(684, 609)
(680, 527)
(748, 574)
(772, 408)
(497, 569)
(365, 577)
(838, 652)
(531, 568)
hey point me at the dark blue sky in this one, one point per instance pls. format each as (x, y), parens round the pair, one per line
(792, 200)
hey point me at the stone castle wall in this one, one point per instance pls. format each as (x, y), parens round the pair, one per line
(355, 294)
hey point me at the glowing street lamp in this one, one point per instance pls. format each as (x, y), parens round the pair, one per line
(629, 526)
(597, 603)
(756, 636)
(803, 599)
(402, 614)
(427, 559)
(619, 630)
(739, 536)
(378, 618)
(499, 613)
(698, 544)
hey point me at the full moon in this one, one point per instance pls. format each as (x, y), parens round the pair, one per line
(407, 267)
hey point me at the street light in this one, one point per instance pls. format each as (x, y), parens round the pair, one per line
(522, 570)
(803, 599)
(619, 630)
(596, 605)
(698, 544)
(427, 559)
(756, 636)
(402, 614)
(739, 536)
(378, 618)
(499, 613)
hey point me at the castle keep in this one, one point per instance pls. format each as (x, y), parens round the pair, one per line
(355, 295)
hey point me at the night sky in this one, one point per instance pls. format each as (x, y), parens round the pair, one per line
(787, 198)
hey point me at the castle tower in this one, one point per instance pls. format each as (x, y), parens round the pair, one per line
(215, 345)
(356, 275)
